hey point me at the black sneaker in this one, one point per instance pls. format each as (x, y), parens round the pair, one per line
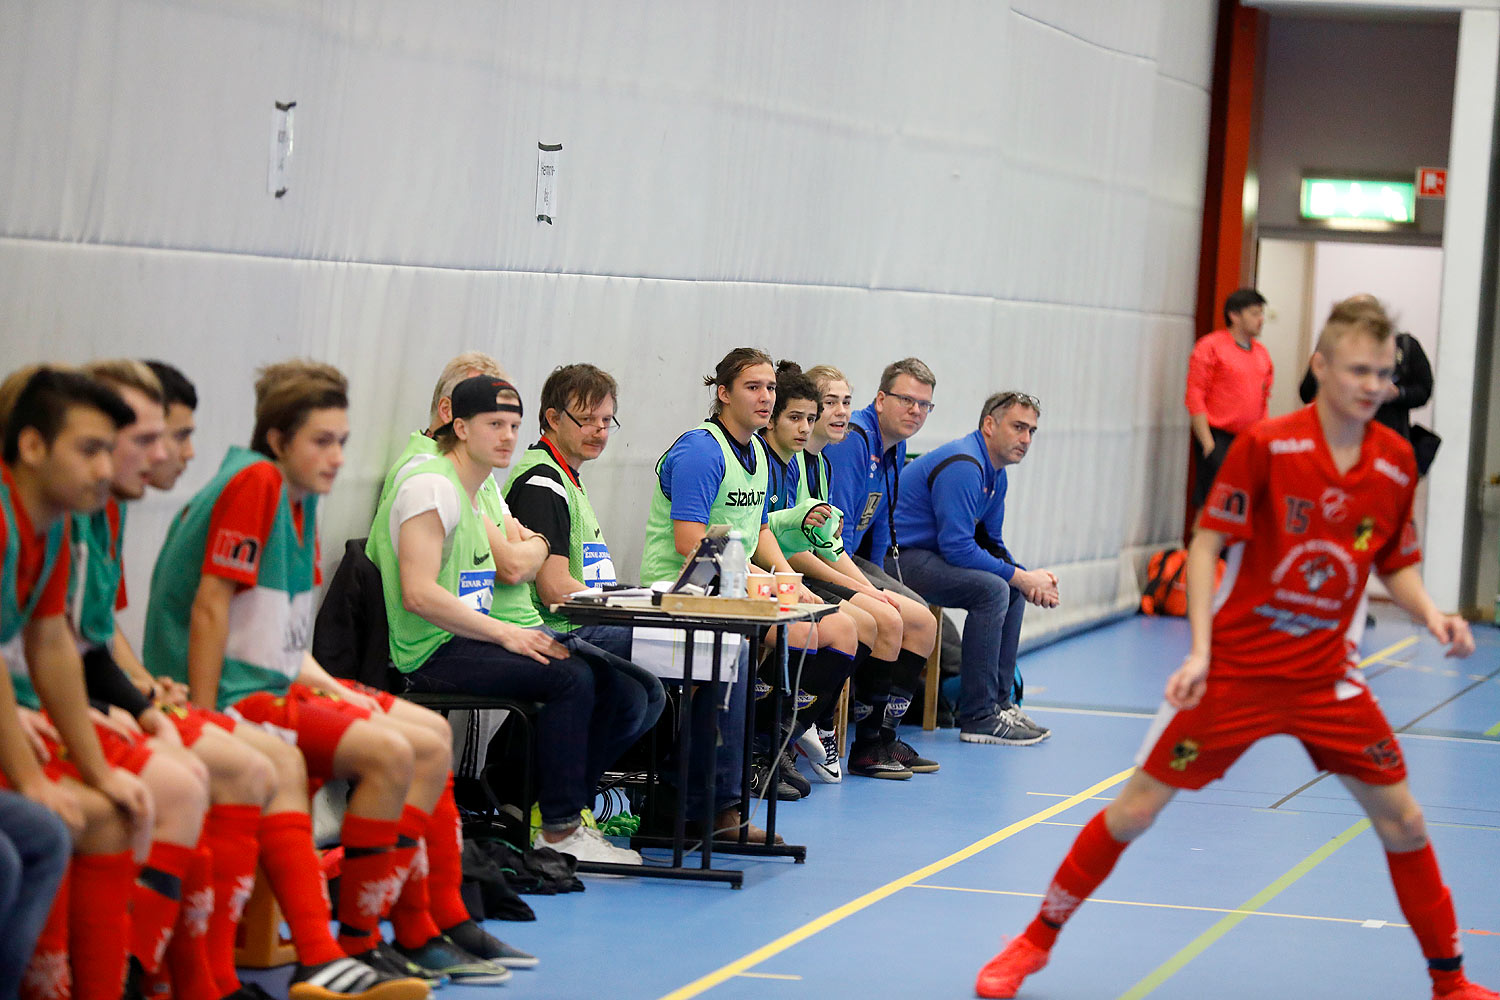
(906, 755)
(873, 759)
(481, 943)
(793, 777)
(385, 958)
(761, 774)
(1006, 728)
(351, 979)
(462, 969)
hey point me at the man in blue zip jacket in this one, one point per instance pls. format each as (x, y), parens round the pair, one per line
(864, 471)
(949, 518)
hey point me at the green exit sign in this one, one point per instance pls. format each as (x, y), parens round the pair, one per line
(1361, 202)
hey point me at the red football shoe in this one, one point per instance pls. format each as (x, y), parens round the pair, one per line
(1002, 976)
(1467, 991)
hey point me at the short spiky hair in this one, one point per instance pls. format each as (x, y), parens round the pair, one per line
(586, 384)
(286, 392)
(175, 387)
(45, 396)
(1356, 314)
(907, 366)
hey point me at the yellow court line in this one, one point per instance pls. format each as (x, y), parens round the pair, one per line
(1166, 906)
(1228, 923)
(1493, 730)
(807, 930)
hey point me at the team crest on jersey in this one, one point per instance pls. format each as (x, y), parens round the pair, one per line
(1317, 562)
(1183, 754)
(1335, 505)
(1363, 534)
(1385, 755)
(1229, 504)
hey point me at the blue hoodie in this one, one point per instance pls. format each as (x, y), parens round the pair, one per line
(953, 503)
(865, 473)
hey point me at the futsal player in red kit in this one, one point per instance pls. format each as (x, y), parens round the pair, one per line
(1307, 503)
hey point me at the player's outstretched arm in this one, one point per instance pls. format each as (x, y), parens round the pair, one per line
(1408, 591)
(1186, 685)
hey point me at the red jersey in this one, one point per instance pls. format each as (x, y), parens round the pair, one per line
(241, 524)
(31, 550)
(1227, 383)
(1308, 538)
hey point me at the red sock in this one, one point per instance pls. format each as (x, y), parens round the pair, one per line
(97, 936)
(445, 865)
(1088, 863)
(1428, 907)
(290, 861)
(410, 918)
(187, 956)
(366, 885)
(230, 832)
(47, 974)
(155, 901)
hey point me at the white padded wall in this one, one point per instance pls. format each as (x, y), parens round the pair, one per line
(1011, 193)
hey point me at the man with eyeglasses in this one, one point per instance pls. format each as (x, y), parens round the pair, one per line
(949, 518)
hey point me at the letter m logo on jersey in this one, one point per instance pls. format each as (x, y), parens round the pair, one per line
(1229, 504)
(236, 550)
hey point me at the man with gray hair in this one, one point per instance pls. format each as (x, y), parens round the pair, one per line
(949, 518)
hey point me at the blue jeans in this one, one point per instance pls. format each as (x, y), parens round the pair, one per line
(992, 633)
(594, 706)
(728, 755)
(34, 849)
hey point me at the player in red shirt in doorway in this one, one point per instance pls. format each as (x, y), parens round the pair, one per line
(1228, 385)
(1308, 503)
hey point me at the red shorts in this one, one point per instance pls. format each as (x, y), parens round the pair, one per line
(310, 719)
(1339, 724)
(189, 721)
(386, 700)
(129, 754)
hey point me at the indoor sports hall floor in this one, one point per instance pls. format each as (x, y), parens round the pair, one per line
(1266, 884)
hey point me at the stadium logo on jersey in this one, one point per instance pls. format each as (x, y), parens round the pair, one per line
(1335, 505)
(1291, 446)
(1363, 534)
(1229, 504)
(1390, 471)
(745, 498)
(1385, 755)
(1183, 754)
(236, 550)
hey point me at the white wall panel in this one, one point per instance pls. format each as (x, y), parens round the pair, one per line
(1011, 193)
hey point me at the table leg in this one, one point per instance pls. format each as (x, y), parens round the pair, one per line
(684, 749)
(711, 741)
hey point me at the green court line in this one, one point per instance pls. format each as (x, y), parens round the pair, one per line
(1493, 730)
(1199, 944)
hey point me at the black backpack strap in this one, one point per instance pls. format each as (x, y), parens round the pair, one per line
(949, 461)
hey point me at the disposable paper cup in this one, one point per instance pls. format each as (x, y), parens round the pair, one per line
(786, 589)
(762, 585)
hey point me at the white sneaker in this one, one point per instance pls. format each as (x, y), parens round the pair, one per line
(587, 844)
(821, 748)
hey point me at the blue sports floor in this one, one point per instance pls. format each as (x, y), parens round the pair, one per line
(1266, 884)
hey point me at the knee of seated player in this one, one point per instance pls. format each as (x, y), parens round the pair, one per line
(919, 627)
(431, 753)
(416, 715)
(180, 794)
(105, 828)
(288, 767)
(837, 631)
(369, 752)
(887, 621)
(238, 774)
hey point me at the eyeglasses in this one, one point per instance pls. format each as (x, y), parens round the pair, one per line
(1013, 398)
(607, 424)
(912, 403)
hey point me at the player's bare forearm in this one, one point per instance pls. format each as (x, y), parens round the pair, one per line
(1203, 432)
(1410, 594)
(57, 673)
(130, 663)
(1202, 564)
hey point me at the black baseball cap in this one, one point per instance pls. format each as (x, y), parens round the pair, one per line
(481, 394)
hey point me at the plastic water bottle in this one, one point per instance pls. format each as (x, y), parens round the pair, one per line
(732, 567)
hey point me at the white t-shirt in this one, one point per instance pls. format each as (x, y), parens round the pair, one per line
(430, 491)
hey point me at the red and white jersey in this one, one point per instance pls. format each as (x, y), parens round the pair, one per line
(1307, 538)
